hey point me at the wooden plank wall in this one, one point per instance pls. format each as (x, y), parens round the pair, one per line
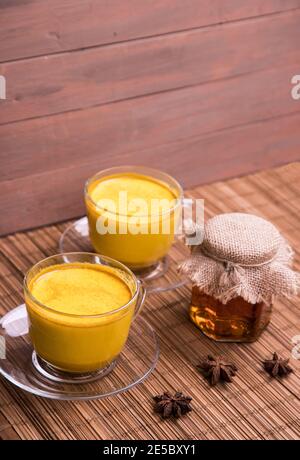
(198, 88)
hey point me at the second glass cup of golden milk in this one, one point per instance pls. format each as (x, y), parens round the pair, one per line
(133, 213)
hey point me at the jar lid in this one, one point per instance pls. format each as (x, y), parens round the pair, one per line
(242, 255)
(241, 238)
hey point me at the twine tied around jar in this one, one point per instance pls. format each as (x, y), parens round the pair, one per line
(242, 255)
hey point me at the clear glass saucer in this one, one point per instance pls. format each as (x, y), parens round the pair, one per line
(159, 278)
(18, 362)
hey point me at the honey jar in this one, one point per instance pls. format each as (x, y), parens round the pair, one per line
(242, 265)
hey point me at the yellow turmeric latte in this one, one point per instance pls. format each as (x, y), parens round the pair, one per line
(137, 213)
(76, 323)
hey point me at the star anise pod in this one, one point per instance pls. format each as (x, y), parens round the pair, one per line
(172, 406)
(277, 366)
(217, 369)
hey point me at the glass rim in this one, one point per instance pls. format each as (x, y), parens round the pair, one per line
(138, 169)
(73, 315)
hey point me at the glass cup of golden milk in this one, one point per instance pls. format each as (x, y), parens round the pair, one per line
(133, 213)
(80, 308)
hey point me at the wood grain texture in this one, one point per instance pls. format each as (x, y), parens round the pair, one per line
(37, 27)
(58, 195)
(128, 127)
(63, 82)
(253, 407)
(173, 89)
(48, 159)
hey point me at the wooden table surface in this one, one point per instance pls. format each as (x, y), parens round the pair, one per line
(253, 407)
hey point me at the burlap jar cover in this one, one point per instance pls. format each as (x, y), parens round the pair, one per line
(242, 255)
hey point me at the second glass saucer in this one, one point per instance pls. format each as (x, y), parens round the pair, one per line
(162, 277)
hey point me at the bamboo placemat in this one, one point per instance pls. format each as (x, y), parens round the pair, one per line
(253, 407)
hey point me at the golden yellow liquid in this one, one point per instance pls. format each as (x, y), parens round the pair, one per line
(155, 221)
(68, 333)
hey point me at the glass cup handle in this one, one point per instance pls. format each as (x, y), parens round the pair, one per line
(140, 299)
(15, 322)
(188, 236)
(192, 232)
